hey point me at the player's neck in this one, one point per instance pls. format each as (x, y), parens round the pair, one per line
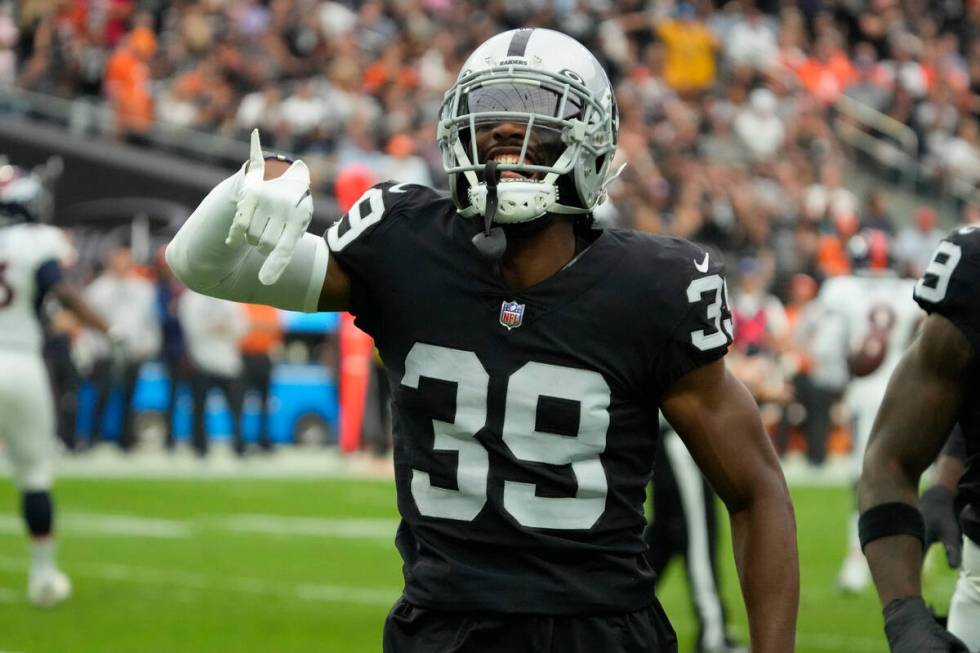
(531, 259)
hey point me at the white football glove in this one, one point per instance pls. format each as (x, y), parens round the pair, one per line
(272, 215)
(281, 266)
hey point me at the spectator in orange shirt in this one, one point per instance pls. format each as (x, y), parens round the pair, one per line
(689, 66)
(832, 257)
(263, 337)
(127, 83)
(828, 73)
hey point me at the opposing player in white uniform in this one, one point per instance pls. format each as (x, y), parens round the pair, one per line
(29, 270)
(879, 320)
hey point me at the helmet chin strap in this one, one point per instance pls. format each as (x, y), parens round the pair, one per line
(491, 242)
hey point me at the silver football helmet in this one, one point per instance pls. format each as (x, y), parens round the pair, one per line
(551, 87)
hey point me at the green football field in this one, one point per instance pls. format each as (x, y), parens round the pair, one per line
(283, 566)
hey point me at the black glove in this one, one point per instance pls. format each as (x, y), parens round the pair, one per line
(911, 628)
(942, 525)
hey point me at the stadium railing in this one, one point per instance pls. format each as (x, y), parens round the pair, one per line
(93, 115)
(898, 152)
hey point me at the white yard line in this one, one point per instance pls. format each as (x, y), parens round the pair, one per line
(190, 587)
(91, 524)
(354, 528)
(290, 462)
(99, 525)
(190, 581)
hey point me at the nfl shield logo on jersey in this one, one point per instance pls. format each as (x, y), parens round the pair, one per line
(511, 314)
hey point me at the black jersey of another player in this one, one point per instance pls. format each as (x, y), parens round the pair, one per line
(951, 288)
(525, 421)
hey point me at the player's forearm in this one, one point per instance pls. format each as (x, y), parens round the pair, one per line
(916, 415)
(74, 302)
(895, 561)
(764, 542)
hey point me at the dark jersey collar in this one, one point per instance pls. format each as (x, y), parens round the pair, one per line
(598, 253)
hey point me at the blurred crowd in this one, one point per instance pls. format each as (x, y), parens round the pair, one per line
(730, 119)
(712, 94)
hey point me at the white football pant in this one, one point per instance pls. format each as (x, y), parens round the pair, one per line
(27, 419)
(863, 398)
(964, 608)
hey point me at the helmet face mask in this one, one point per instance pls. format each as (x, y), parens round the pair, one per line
(563, 128)
(521, 152)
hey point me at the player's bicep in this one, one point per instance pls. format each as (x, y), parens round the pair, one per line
(719, 422)
(923, 398)
(358, 247)
(335, 294)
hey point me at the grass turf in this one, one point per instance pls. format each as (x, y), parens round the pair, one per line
(279, 566)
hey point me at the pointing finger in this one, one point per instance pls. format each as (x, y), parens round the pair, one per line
(256, 162)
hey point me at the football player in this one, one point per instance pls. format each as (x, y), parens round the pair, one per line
(29, 271)
(934, 386)
(877, 323)
(528, 355)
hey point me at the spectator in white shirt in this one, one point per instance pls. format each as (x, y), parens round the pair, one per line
(758, 127)
(128, 303)
(961, 154)
(917, 242)
(212, 330)
(260, 109)
(752, 41)
(829, 198)
(304, 110)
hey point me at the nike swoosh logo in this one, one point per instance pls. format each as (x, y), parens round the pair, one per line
(702, 267)
(305, 195)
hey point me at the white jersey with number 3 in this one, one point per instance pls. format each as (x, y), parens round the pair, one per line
(24, 248)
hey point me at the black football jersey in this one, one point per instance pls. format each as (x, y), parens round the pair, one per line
(951, 287)
(525, 420)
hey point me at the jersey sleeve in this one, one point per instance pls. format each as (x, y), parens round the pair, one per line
(950, 285)
(702, 329)
(48, 275)
(361, 242)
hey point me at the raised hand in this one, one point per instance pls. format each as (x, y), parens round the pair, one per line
(272, 214)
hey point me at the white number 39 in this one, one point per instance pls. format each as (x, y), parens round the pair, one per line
(723, 331)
